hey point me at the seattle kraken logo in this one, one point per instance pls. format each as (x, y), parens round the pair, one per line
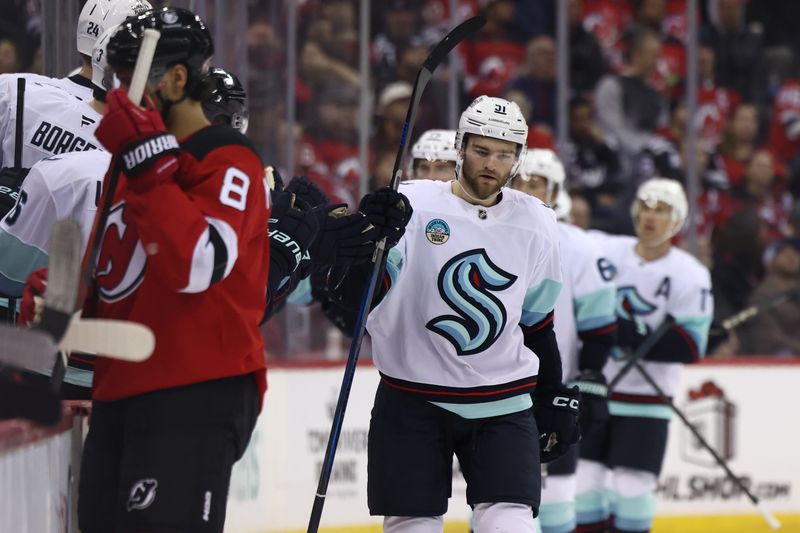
(630, 304)
(466, 283)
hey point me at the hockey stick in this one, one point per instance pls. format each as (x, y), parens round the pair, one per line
(141, 72)
(115, 339)
(458, 34)
(769, 517)
(749, 313)
(642, 351)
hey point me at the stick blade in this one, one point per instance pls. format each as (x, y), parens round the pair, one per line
(27, 349)
(456, 35)
(115, 339)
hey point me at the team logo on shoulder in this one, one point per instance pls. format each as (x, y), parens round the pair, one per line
(143, 493)
(466, 284)
(437, 231)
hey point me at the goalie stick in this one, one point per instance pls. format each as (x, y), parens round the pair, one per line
(458, 34)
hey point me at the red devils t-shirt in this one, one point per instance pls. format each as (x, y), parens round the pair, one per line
(189, 259)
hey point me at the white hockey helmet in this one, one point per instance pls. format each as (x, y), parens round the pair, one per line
(563, 206)
(545, 163)
(664, 190)
(489, 116)
(436, 145)
(103, 77)
(99, 15)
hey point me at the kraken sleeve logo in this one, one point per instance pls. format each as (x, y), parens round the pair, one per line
(631, 304)
(466, 283)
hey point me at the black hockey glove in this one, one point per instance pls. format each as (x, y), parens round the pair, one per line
(556, 411)
(594, 399)
(389, 211)
(10, 182)
(344, 239)
(307, 191)
(291, 232)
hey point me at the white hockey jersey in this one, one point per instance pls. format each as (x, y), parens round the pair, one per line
(65, 186)
(76, 85)
(587, 300)
(463, 279)
(676, 284)
(55, 122)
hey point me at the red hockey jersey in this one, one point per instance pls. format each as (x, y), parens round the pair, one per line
(189, 259)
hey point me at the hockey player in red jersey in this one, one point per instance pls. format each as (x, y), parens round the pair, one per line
(185, 252)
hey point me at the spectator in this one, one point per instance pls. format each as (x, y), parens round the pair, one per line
(627, 106)
(587, 64)
(390, 115)
(537, 79)
(738, 48)
(539, 135)
(9, 56)
(491, 57)
(714, 102)
(739, 141)
(331, 47)
(774, 331)
(758, 191)
(784, 129)
(738, 246)
(593, 168)
(400, 23)
(581, 212)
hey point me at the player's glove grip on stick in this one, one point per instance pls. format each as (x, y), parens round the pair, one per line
(556, 411)
(35, 286)
(389, 211)
(138, 137)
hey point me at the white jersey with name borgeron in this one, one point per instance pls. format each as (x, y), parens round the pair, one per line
(64, 186)
(76, 85)
(54, 122)
(587, 300)
(463, 278)
(676, 284)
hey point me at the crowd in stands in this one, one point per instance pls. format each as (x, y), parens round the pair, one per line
(627, 112)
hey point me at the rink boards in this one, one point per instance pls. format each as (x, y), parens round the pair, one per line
(746, 410)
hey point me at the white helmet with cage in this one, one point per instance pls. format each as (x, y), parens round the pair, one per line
(436, 145)
(489, 116)
(103, 77)
(667, 191)
(97, 16)
(544, 163)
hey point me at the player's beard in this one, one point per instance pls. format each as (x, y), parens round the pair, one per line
(477, 186)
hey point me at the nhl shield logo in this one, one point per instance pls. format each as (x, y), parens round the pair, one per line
(437, 231)
(142, 494)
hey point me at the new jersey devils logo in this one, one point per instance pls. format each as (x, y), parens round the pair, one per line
(466, 283)
(120, 267)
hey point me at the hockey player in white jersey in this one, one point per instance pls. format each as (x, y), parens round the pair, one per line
(95, 18)
(654, 279)
(434, 156)
(585, 327)
(463, 339)
(63, 186)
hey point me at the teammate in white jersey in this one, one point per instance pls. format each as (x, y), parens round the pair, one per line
(462, 335)
(95, 18)
(434, 156)
(654, 279)
(585, 327)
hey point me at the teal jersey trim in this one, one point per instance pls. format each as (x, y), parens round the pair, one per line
(539, 301)
(17, 261)
(596, 309)
(394, 264)
(642, 410)
(697, 327)
(506, 406)
(301, 295)
(557, 517)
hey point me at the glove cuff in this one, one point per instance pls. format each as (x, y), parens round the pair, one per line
(591, 387)
(139, 156)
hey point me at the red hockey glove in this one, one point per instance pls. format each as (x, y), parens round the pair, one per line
(138, 137)
(33, 291)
